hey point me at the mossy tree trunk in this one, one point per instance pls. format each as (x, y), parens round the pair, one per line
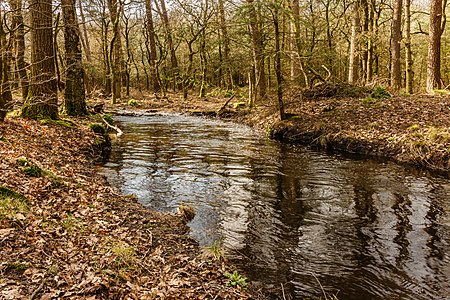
(42, 99)
(74, 94)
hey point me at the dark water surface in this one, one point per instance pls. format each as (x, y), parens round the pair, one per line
(367, 229)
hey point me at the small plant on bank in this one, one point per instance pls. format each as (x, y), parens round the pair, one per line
(214, 251)
(132, 102)
(236, 279)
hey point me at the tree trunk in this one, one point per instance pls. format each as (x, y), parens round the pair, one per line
(297, 38)
(434, 46)
(396, 38)
(173, 57)
(226, 46)
(3, 60)
(408, 56)
(115, 51)
(258, 50)
(74, 93)
(84, 36)
(42, 99)
(152, 42)
(352, 64)
(19, 44)
(278, 65)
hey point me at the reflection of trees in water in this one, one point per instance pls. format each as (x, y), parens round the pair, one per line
(371, 232)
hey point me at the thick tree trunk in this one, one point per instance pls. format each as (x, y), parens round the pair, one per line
(19, 44)
(42, 99)
(152, 44)
(74, 93)
(434, 47)
(396, 38)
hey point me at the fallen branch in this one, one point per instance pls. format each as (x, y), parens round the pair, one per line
(225, 105)
(115, 128)
(36, 291)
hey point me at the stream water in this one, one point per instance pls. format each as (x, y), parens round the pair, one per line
(288, 215)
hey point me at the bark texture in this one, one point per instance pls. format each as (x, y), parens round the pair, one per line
(74, 93)
(396, 38)
(434, 47)
(42, 99)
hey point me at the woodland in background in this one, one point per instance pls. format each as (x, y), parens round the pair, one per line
(112, 47)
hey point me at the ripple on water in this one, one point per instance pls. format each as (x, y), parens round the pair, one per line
(287, 215)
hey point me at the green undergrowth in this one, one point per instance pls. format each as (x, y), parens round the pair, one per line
(97, 128)
(33, 170)
(12, 204)
(60, 122)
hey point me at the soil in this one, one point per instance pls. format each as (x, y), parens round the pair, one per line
(66, 234)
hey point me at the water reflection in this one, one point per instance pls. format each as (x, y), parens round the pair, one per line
(365, 230)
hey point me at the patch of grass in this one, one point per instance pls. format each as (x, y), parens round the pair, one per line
(236, 279)
(12, 204)
(414, 127)
(125, 253)
(214, 251)
(70, 223)
(97, 128)
(132, 102)
(33, 171)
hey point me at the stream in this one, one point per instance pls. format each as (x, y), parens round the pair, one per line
(288, 215)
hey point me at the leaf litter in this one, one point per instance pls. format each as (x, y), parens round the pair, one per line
(78, 238)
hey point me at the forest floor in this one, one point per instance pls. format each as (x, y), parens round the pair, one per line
(66, 234)
(413, 130)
